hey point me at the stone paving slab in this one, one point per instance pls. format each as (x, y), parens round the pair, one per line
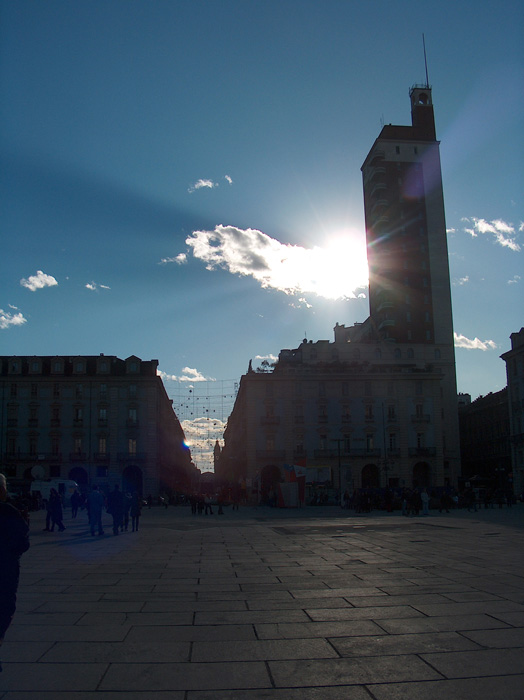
(317, 604)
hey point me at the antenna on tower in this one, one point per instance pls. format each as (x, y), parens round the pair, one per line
(425, 60)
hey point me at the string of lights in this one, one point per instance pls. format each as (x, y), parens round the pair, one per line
(203, 409)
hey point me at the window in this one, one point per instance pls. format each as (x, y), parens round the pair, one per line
(420, 440)
(398, 353)
(270, 442)
(131, 447)
(369, 442)
(408, 316)
(392, 441)
(14, 391)
(397, 150)
(11, 445)
(32, 446)
(79, 391)
(392, 413)
(347, 444)
(368, 411)
(56, 390)
(132, 391)
(323, 442)
(78, 445)
(78, 413)
(103, 391)
(419, 410)
(345, 389)
(102, 445)
(102, 414)
(55, 446)
(34, 390)
(132, 415)
(437, 353)
(79, 367)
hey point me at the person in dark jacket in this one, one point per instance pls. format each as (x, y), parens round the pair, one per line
(115, 506)
(14, 541)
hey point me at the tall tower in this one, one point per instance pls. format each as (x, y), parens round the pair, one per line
(409, 286)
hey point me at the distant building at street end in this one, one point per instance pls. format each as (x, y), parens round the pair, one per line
(485, 440)
(378, 406)
(514, 360)
(93, 419)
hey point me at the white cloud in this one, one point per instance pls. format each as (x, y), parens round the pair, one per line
(38, 281)
(503, 233)
(7, 319)
(462, 342)
(516, 279)
(461, 281)
(202, 184)
(334, 272)
(270, 358)
(179, 259)
(229, 179)
(94, 286)
(189, 374)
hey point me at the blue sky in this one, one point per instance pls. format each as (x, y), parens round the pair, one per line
(181, 180)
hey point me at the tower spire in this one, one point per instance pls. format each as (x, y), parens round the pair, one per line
(425, 60)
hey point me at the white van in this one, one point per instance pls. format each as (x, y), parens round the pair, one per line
(65, 488)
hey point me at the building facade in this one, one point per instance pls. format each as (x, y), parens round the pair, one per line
(93, 419)
(378, 406)
(514, 360)
(485, 439)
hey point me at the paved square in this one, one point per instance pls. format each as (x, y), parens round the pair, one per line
(311, 604)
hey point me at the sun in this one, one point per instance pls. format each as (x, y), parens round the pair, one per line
(340, 268)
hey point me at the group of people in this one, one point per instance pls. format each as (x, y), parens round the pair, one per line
(122, 508)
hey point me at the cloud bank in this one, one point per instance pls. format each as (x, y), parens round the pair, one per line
(7, 319)
(189, 374)
(503, 233)
(38, 281)
(336, 272)
(462, 342)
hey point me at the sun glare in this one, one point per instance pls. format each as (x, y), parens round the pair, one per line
(340, 269)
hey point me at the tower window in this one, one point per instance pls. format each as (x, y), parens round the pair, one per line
(397, 149)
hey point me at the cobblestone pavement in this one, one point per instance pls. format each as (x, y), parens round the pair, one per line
(311, 604)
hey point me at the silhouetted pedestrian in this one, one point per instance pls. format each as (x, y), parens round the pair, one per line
(14, 541)
(95, 505)
(135, 511)
(115, 507)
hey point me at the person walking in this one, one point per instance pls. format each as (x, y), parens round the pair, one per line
(55, 507)
(135, 511)
(115, 507)
(95, 505)
(14, 541)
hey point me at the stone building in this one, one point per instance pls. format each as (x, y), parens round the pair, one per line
(514, 360)
(485, 439)
(92, 419)
(378, 406)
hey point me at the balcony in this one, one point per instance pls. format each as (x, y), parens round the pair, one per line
(271, 455)
(77, 456)
(270, 420)
(421, 418)
(422, 451)
(385, 305)
(101, 456)
(126, 457)
(379, 206)
(386, 323)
